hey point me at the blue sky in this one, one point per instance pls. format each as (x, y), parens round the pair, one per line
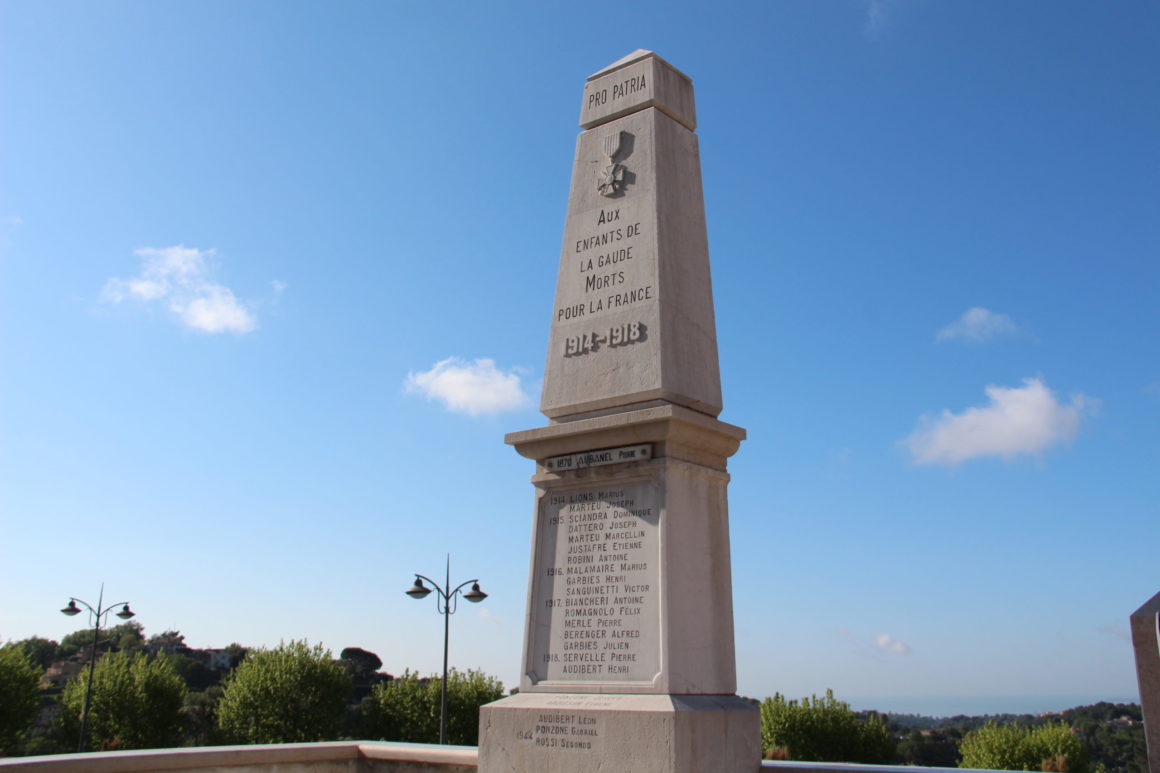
(237, 241)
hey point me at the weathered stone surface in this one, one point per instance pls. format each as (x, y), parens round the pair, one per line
(641, 79)
(562, 733)
(633, 317)
(628, 660)
(326, 757)
(631, 588)
(1146, 642)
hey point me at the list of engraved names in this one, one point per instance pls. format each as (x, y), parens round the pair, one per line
(597, 579)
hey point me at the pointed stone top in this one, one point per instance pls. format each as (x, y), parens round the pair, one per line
(623, 61)
(635, 56)
(636, 82)
(1151, 607)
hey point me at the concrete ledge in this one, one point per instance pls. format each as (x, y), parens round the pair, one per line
(334, 757)
(339, 757)
(791, 766)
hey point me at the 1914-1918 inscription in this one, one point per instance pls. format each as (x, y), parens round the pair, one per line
(596, 604)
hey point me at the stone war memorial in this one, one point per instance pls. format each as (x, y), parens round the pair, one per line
(1145, 623)
(628, 661)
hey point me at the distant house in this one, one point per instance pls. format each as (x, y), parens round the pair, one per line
(58, 674)
(167, 646)
(218, 660)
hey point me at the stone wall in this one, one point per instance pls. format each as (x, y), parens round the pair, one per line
(338, 757)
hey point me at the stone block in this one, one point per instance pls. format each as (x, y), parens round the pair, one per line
(641, 79)
(562, 733)
(1145, 623)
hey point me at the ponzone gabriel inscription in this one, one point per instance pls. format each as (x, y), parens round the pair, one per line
(597, 595)
(563, 731)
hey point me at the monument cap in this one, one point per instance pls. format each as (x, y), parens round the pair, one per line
(641, 79)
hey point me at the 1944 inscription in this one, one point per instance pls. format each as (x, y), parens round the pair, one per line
(558, 730)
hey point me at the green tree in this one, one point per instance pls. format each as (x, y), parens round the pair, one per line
(44, 652)
(237, 654)
(1011, 747)
(19, 695)
(200, 713)
(823, 730)
(293, 693)
(407, 709)
(930, 748)
(362, 662)
(195, 674)
(126, 637)
(136, 703)
(171, 641)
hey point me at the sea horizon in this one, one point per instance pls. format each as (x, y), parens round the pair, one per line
(941, 706)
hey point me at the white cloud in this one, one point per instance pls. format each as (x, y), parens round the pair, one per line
(1115, 630)
(977, 325)
(874, 646)
(1017, 420)
(876, 13)
(216, 311)
(489, 616)
(888, 643)
(474, 388)
(9, 225)
(183, 278)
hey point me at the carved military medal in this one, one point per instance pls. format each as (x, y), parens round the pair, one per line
(611, 180)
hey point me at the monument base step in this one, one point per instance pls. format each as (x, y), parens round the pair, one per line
(571, 733)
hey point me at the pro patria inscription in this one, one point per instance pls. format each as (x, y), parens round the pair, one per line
(596, 609)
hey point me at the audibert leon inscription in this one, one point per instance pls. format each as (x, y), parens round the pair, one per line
(596, 602)
(563, 731)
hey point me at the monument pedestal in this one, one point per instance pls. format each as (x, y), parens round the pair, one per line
(580, 733)
(629, 646)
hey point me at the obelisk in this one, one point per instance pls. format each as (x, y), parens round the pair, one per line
(1145, 623)
(628, 660)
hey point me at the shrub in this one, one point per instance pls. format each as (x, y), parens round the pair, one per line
(407, 709)
(135, 703)
(19, 695)
(293, 693)
(1010, 747)
(823, 730)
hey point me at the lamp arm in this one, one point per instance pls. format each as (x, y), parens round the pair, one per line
(454, 597)
(434, 585)
(86, 604)
(462, 584)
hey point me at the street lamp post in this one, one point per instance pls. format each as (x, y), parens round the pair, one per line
(447, 609)
(96, 617)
